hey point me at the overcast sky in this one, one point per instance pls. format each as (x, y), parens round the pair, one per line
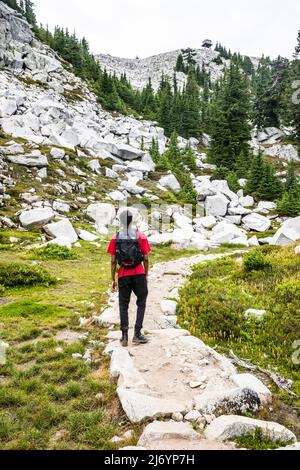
(129, 28)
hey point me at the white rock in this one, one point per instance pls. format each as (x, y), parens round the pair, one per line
(246, 201)
(192, 416)
(62, 229)
(178, 417)
(61, 241)
(36, 217)
(101, 213)
(286, 152)
(158, 431)
(168, 307)
(252, 312)
(253, 241)
(216, 205)
(297, 250)
(86, 236)
(288, 233)
(127, 152)
(111, 174)
(116, 196)
(131, 187)
(242, 182)
(207, 222)
(138, 166)
(57, 153)
(231, 426)
(265, 207)
(35, 159)
(253, 383)
(94, 165)
(257, 222)
(61, 206)
(170, 182)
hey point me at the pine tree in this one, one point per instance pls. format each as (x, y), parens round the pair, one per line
(173, 153)
(289, 204)
(230, 112)
(191, 108)
(255, 174)
(165, 108)
(154, 150)
(291, 100)
(180, 66)
(188, 158)
(12, 4)
(292, 180)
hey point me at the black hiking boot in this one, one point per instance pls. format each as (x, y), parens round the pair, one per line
(139, 338)
(124, 340)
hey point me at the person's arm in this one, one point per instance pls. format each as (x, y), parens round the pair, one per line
(146, 265)
(113, 272)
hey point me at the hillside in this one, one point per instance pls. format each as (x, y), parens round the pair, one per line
(67, 168)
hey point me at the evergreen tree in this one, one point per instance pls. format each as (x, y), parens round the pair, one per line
(154, 150)
(292, 180)
(289, 204)
(165, 107)
(191, 108)
(188, 158)
(230, 112)
(291, 112)
(12, 4)
(255, 174)
(173, 154)
(180, 66)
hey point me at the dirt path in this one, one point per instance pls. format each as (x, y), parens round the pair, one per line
(175, 374)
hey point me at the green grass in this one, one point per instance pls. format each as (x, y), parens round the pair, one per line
(44, 390)
(217, 295)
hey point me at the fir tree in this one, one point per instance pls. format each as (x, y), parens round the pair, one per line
(230, 112)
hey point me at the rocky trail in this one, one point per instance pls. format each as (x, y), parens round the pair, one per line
(177, 376)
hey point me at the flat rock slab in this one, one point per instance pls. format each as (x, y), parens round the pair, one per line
(69, 337)
(230, 427)
(171, 435)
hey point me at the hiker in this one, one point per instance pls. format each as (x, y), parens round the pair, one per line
(129, 249)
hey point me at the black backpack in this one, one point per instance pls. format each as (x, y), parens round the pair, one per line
(128, 252)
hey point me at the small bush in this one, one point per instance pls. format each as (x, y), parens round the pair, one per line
(256, 261)
(2, 290)
(288, 291)
(24, 275)
(54, 252)
(257, 441)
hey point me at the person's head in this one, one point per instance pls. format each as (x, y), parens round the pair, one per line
(126, 218)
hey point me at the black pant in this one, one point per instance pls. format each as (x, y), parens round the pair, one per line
(138, 285)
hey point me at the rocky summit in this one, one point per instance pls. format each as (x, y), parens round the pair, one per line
(138, 71)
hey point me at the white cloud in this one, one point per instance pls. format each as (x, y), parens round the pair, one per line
(127, 28)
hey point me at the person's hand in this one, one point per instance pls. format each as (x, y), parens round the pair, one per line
(114, 286)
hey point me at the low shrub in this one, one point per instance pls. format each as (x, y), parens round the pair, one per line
(289, 291)
(54, 252)
(258, 441)
(24, 275)
(256, 261)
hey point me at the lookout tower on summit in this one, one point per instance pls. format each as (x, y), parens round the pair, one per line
(207, 43)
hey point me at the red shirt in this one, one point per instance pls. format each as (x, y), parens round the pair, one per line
(145, 249)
